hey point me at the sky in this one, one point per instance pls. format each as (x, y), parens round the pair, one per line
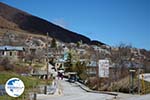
(110, 21)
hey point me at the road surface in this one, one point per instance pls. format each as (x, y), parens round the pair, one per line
(71, 91)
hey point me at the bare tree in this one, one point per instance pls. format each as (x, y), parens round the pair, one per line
(121, 59)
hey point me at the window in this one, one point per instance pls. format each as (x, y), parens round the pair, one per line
(3, 52)
(10, 53)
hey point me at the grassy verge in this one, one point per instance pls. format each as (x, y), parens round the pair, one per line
(123, 85)
(146, 88)
(29, 82)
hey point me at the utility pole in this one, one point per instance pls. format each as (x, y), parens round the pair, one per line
(139, 86)
(97, 69)
(139, 72)
(47, 61)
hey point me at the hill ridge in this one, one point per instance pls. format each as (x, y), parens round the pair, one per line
(36, 25)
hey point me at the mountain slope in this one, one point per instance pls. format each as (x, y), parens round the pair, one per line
(18, 20)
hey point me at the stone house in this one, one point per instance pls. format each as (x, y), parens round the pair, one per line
(14, 52)
(92, 68)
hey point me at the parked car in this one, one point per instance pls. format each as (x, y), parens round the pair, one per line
(72, 77)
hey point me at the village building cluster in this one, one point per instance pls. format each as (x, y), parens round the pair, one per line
(38, 49)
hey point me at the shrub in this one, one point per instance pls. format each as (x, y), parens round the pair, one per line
(6, 64)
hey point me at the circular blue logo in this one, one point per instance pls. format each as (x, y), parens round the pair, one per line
(14, 87)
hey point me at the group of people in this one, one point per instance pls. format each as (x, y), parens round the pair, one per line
(60, 75)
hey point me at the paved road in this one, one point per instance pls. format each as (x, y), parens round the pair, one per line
(72, 91)
(143, 97)
(123, 96)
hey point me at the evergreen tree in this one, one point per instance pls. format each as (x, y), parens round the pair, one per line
(80, 68)
(53, 43)
(78, 44)
(68, 63)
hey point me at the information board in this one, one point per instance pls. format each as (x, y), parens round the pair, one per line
(103, 68)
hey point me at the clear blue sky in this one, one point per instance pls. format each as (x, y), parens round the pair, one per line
(110, 21)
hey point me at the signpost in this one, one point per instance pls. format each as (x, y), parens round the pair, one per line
(103, 66)
(131, 88)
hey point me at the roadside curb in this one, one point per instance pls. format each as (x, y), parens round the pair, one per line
(92, 91)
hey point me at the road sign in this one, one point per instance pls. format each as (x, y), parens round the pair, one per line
(103, 68)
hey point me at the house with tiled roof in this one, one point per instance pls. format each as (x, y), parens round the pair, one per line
(14, 52)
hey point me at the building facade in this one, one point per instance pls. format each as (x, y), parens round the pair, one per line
(14, 52)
